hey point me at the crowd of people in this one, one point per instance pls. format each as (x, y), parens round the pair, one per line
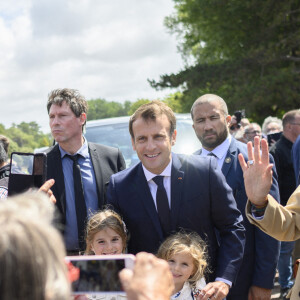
(210, 217)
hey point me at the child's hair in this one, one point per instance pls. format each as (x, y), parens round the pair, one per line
(101, 220)
(190, 242)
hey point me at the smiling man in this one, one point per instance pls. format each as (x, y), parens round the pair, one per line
(211, 123)
(80, 169)
(166, 192)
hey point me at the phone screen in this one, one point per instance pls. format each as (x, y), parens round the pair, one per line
(273, 137)
(96, 276)
(27, 170)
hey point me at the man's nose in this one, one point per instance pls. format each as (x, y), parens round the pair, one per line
(54, 120)
(151, 144)
(207, 125)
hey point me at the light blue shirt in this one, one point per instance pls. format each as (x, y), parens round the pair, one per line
(220, 151)
(89, 189)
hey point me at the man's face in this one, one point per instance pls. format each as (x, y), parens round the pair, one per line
(210, 124)
(273, 128)
(252, 131)
(65, 126)
(295, 128)
(152, 143)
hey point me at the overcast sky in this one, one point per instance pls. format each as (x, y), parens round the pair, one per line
(104, 48)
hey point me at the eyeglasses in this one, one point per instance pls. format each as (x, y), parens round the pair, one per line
(253, 132)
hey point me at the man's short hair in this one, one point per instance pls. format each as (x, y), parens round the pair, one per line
(72, 97)
(207, 98)
(151, 111)
(290, 116)
(5, 142)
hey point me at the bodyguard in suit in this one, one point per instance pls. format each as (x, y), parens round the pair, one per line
(80, 169)
(166, 192)
(211, 124)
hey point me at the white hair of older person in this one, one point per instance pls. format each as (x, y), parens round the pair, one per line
(31, 250)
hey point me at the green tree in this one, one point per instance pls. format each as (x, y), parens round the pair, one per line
(25, 137)
(100, 109)
(248, 52)
(174, 101)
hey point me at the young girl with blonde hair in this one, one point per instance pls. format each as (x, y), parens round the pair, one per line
(186, 255)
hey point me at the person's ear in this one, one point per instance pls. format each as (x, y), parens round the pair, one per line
(228, 120)
(173, 137)
(83, 118)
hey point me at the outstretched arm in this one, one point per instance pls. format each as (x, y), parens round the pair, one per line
(257, 172)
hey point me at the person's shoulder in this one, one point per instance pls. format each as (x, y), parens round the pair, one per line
(129, 173)
(239, 147)
(192, 160)
(52, 152)
(51, 149)
(102, 148)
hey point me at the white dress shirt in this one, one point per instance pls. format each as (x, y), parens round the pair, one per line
(167, 182)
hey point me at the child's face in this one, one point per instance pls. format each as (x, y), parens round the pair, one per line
(182, 267)
(107, 241)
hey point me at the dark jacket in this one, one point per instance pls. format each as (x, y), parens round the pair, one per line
(281, 152)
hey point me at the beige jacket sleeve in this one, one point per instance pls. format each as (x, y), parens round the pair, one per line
(282, 223)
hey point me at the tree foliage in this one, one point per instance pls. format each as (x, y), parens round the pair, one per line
(25, 137)
(248, 52)
(100, 109)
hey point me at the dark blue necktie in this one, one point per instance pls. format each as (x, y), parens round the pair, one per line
(79, 200)
(162, 205)
(211, 154)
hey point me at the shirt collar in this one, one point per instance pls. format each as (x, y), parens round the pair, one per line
(166, 172)
(221, 150)
(83, 150)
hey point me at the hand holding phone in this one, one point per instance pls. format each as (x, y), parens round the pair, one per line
(97, 274)
(27, 170)
(273, 138)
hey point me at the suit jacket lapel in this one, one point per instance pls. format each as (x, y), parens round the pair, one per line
(59, 177)
(96, 159)
(229, 159)
(143, 194)
(177, 177)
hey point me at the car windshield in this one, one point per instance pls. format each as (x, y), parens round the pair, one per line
(117, 135)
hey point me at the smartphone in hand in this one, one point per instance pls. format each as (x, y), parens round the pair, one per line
(27, 170)
(98, 274)
(273, 137)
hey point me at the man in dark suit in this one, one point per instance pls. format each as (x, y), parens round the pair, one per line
(195, 192)
(211, 124)
(77, 194)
